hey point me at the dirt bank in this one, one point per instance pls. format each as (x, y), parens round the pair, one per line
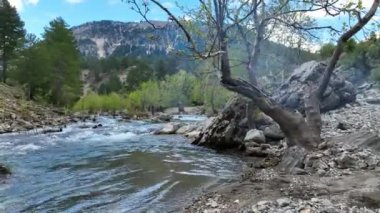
(17, 114)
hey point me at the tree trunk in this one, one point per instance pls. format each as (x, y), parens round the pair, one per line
(254, 58)
(293, 124)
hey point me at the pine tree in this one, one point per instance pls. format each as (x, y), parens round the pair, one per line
(65, 61)
(11, 34)
(33, 68)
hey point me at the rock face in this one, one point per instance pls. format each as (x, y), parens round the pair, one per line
(228, 129)
(338, 93)
(105, 38)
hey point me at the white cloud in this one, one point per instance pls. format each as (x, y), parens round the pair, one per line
(168, 5)
(74, 1)
(19, 4)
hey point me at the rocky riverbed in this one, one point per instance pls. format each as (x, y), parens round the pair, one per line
(343, 175)
(18, 114)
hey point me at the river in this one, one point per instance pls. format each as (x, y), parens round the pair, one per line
(120, 167)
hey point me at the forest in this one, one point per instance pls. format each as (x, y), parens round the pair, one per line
(50, 70)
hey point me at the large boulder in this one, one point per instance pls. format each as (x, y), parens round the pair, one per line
(273, 132)
(338, 93)
(228, 129)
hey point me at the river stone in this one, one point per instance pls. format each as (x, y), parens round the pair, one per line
(274, 132)
(169, 128)
(255, 135)
(338, 93)
(186, 129)
(4, 170)
(282, 202)
(256, 152)
(193, 134)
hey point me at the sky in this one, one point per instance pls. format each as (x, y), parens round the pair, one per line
(38, 13)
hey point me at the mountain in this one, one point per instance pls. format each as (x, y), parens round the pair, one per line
(140, 40)
(111, 38)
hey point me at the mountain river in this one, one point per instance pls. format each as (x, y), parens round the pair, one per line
(120, 167)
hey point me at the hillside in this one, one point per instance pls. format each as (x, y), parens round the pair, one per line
(105, 38)
(101, 40)
(18, 114)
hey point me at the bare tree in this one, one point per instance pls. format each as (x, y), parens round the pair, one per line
(301, 131)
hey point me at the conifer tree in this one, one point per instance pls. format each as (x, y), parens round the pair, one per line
(65, 63)
(11, 34)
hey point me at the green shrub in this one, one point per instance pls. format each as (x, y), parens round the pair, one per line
(326, 50)
(100, 103)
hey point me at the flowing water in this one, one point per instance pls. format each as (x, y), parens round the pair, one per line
(120, 167)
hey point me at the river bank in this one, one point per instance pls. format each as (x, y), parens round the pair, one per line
(343, 175)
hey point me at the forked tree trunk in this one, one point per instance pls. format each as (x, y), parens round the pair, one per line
(304, 132)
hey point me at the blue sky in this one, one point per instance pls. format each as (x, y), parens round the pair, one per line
(37, 13)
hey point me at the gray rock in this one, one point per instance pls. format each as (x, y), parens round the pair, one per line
(256, 152)
(343, 126)
(162, 117)
(186, 129)
(282, 202)
(52, 130)
(298, 171)
(251, 144)
(346, 161)
(4, 170)
(193, 134)
(274, 132)
(373, 100)
(255, 135)
(338, 93)
(169, 128)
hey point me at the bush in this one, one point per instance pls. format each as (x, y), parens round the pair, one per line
(326, 50)
(100, 103)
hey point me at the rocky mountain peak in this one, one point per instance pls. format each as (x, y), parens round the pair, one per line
(105, 38)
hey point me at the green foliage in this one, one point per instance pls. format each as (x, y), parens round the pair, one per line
(65, 63)
(327, 50)
(11, 34)
(148, 95)
(137, 75)
(178, 89)
(112, 85)
(350, 46)
(33, 69)
(364, 57)
(50, 69)
(136, 70)
(100, 103)
(170, 92)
